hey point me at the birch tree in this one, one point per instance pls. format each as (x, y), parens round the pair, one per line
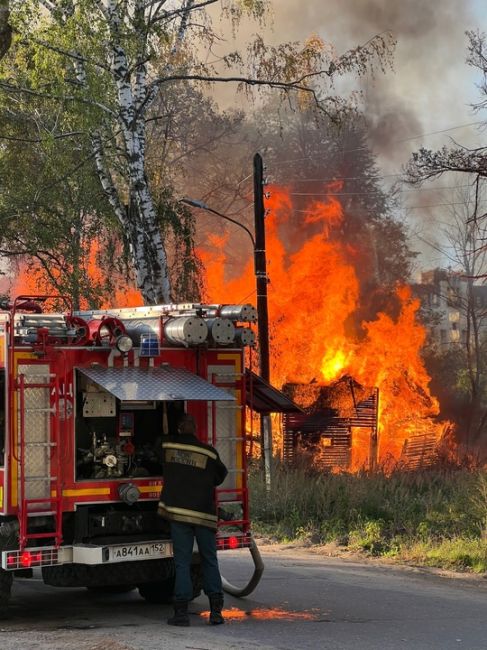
(109, 60)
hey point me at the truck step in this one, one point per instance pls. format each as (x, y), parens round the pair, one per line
(40, 444)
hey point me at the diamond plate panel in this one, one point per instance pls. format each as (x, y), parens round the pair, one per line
(159, 384)
(225, 442)
(36, 431)
(226, 417)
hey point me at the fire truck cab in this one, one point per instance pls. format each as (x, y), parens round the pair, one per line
(86, 399)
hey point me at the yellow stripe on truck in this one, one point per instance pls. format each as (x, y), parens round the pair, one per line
(145, 489)
(87, 492)
(92, 492)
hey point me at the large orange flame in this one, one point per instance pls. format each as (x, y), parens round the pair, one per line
(314, 301)
(277, 613)
(314, 297)
(31, 280)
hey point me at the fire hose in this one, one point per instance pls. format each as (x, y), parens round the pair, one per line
(254, 580)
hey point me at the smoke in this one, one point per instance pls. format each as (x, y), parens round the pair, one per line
(429, 89)
(430, 86)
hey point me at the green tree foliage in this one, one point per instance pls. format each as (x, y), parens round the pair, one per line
(52, 208)
(108, 63)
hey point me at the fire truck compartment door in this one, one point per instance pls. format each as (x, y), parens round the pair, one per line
(158, 384)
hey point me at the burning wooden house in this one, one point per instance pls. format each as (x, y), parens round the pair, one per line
(332, 417)
(338, 427)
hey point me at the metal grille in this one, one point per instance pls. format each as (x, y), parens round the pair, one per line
(160, 384)
(37, 432)
(35, 557)
(227, 439)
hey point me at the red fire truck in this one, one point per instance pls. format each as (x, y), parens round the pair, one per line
(86, 399)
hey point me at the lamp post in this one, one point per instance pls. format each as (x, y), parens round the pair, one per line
(260, 271)
(194, 203)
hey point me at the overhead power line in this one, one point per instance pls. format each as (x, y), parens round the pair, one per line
(451, 128)
(378, 191)
(415, 207)
(367, 147)
(436, 205)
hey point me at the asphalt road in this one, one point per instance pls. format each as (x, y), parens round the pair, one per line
(303, 601)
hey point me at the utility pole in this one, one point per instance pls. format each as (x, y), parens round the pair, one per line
(260, 270)
(260, 266)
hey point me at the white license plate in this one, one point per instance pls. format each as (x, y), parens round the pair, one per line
(128, 552)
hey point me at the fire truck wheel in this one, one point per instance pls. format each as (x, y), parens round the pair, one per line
(158, 592)
(6, 579)
(161, 592)
(111, 589)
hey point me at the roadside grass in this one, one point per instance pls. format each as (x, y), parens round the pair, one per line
(435, 517)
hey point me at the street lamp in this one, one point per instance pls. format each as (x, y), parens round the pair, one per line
(260, 271)
(194, 203)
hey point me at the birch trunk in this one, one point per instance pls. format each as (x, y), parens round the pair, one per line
(146, 244)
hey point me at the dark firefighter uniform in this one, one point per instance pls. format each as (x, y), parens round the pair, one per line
(191, 470)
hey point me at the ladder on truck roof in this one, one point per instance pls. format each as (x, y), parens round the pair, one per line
(38, 453)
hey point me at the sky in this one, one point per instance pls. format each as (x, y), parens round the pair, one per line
(430, 88)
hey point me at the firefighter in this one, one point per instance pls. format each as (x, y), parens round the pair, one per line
(191, 470)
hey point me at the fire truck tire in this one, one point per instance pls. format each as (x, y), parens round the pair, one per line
(158, 592)
(106, 575)
(6, 579)
(161, 592)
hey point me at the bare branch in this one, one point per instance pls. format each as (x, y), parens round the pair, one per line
(296, 85)
(59, 136)
(47, 4)
(103, 10)
(426, 164)
(68, 98)
(69, 54)
(186, 9)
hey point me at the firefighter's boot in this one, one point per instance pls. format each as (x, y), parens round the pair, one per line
(181, 617)
(216, 606)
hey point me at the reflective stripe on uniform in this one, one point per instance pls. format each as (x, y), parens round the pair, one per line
(185, 457)
(187, 515)
(194, 448)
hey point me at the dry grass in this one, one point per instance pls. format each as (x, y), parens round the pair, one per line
(435, 517)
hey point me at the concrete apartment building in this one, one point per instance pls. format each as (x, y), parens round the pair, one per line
(444, 302)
